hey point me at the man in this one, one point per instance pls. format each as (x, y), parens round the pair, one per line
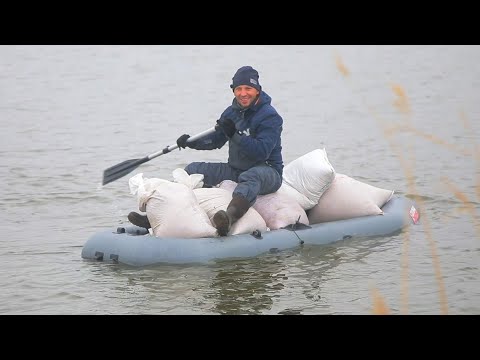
(253, 129)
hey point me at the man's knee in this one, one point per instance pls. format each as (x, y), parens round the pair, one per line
(192, 168)
(267, 179)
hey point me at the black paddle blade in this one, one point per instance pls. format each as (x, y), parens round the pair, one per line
(117, 171)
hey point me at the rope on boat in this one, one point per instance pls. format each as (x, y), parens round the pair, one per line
(293, 227)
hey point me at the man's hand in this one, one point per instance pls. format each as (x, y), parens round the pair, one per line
(182, 141)
(227, 126)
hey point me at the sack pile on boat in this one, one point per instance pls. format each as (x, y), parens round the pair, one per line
(312, 192)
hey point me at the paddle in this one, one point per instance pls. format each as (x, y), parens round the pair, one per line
(117, 171)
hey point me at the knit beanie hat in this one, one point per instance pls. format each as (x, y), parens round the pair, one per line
(246, 75)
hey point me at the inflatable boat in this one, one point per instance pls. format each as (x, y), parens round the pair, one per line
(134, 246)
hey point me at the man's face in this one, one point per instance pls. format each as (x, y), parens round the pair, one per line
(245, 95)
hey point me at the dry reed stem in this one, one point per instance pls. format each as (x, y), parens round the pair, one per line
(409, 173)
(402, 104)
(379, 305)
(340, 66)
(438, 141)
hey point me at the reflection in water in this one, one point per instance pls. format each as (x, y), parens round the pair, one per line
(307, 280)
(256, 286)
(247, 286)
(318, 277)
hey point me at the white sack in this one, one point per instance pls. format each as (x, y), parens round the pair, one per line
(311, 175)
(288, 191)
(172, 208)
(349, 198)
(214, 199)
(192, 181)
(277, 209)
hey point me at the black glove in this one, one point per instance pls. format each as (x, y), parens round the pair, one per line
(182, 141)
(227, 126)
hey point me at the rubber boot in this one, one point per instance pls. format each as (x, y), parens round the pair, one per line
(139, 220)
(223, 220)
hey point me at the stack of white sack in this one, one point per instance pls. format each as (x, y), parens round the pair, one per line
(313, 183)
(184, 209)
(311, 192)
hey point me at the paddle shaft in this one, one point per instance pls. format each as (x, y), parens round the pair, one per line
(175, 146)
(117, 171)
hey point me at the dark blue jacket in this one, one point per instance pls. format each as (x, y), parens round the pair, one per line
(258, 137)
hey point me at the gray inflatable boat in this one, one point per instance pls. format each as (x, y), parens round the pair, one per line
(134, 246)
